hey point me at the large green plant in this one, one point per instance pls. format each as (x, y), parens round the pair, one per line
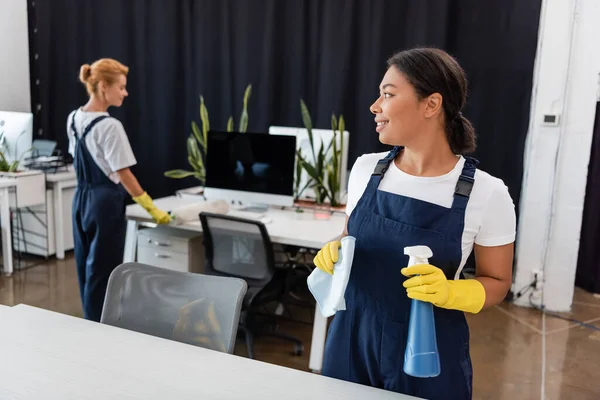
(197, 141)
(325, 169)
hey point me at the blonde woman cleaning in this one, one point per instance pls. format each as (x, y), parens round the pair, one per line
(102, 158)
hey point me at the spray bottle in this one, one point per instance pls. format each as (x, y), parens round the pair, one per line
(421, 358)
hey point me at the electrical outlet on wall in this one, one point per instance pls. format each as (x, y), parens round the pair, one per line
(537, 276)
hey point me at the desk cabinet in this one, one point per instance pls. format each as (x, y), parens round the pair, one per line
(39, 226)
(170, 248)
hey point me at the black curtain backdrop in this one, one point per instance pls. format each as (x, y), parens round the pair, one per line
(588, 267)
(331, 53)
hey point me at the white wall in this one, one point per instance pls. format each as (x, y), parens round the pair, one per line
(557, 157)
(14, 56)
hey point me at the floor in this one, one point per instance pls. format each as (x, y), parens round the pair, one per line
(507, 342)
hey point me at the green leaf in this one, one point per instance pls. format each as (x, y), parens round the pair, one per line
(244, 121)
(230, 124)
(305, 115)
(197, 133)
(334, 155)
(306, 185)
(13, 167)
(331, 143)
(342, 126)
(247, 95)
(192, 162)
(333, 122)
(192, 147)
(307, 120)
(179, 173)
(244, 116)
(310, 170)
(200, 164)
(321, 158)
(204, 119)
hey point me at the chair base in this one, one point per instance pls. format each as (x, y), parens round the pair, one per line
(250, 329)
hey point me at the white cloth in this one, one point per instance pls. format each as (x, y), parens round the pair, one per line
(107, 142)
(490, 215)
(328, 289)
(191, 212)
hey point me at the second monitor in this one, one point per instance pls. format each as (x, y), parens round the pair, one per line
(252, 168)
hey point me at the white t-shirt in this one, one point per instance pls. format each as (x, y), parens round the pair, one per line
(490, 215)
(107, 142)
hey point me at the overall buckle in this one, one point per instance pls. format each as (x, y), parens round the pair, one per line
(464, 186)
(381, 167)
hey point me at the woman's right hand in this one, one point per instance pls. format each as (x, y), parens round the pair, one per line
(328, 256)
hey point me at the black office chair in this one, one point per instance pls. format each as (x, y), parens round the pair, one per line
(242, 248)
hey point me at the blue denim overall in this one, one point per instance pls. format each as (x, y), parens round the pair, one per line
(366, 343)
(98, 226)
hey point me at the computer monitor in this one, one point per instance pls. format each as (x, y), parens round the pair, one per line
(304, 147)
(255, 169)
(16, 134)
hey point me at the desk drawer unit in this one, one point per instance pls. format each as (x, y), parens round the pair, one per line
(170, 248)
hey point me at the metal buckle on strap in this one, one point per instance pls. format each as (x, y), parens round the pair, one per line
(464, 186)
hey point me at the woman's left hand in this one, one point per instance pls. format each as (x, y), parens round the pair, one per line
(431, 285)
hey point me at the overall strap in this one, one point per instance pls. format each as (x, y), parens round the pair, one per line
(88, 128)
(91, 125)
(383, 164)
(83, 161)
(464, 185)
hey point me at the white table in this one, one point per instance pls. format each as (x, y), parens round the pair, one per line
(60, 181)
(54, 356)
(286, 227)
(7, 260)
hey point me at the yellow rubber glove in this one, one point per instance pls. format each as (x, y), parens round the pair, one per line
(197, 323)
(159, 215)
(328, 256)
(431, 285)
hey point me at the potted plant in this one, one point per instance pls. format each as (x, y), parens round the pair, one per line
(30, 184)
(197, 143)
(324, 170)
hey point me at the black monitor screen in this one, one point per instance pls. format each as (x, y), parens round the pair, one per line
(251, 162)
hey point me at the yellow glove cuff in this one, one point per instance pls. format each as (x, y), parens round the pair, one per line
(465, 295)
(144, 200)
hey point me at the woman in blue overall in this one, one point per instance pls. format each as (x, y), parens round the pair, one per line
(423, 192)
(102, 157)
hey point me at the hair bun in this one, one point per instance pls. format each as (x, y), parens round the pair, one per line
(85, 72)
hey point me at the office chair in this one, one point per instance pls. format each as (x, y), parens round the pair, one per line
(196, 309)
(242, 248)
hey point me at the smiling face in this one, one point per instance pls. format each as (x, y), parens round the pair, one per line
(399, 113)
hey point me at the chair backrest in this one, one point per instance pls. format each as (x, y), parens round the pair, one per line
(237, 247)
(196, 309)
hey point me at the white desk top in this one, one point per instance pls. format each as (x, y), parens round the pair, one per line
(7, 182)
(54, 356)
(285, 227)
(62, 175)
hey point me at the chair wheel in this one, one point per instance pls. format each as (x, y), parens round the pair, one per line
(298, 349)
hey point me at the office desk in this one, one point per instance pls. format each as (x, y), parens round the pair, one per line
(60, 181)
(5, 222)
(286, 227)
(54, 356)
